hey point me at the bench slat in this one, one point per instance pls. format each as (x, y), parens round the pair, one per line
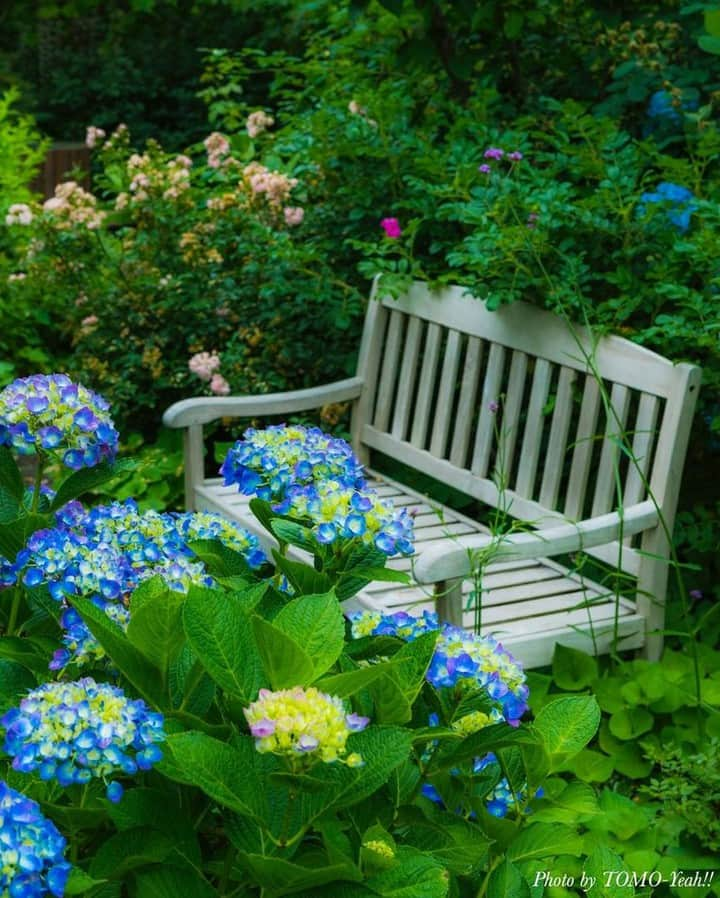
(532, 436)
(388, 377)
(583, 450)
(557, 444)
(605, 497)
(408, 373)
(446, 393)
(485, 436)
(466, 404)
(425, 388)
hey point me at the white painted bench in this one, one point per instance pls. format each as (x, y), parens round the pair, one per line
(431, 369)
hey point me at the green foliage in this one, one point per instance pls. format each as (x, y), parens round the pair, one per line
(219, 813)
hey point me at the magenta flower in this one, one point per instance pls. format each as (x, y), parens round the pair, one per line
(484, 168)
(392, 228)
(515, 157)
(494, 153)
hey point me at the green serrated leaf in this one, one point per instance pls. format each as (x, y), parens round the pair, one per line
(129, 661)
(156, 627)
(508, 881)
(220, 634)
(572, 669)
(541, 840)
(284, 661)
(86, 479)
(566, 725)
(10, 476)
(316, 623)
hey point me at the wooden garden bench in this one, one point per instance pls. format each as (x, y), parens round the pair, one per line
(503, 407)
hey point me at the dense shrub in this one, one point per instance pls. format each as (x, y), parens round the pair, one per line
(174, 262)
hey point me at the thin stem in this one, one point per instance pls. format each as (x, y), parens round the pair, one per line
(14, 609)
(38, 483)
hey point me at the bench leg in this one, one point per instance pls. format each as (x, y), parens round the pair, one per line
(449, 602)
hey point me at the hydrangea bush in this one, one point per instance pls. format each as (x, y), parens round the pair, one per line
(231, 730)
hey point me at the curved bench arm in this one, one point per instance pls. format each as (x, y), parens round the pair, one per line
(203, 409)
(454, 559)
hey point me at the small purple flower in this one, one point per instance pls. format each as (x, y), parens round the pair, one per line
(356, 722)
(494, 406)
(484, 168)
(494, 153)
(307, 743)
(263, 728)
(696, 594)
(515, 157)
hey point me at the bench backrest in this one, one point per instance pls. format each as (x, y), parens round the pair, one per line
(476, 399)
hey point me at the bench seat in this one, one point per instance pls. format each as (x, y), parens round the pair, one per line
(528, 605)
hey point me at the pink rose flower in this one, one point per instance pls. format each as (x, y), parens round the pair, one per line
(293, 215)
(392, 228)
(204, 364)
(219, 386)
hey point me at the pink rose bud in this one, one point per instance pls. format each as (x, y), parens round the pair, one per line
(293, 215)
(219, 386)
(392, 228)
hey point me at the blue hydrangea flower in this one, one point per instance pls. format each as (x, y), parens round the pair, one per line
(677, 200)
(662, 109)
(74, 732)
(50, 413)
(460, 656)
(498, 802)
(266, 462)
(32, 851)
(105, 552)
(338, 512)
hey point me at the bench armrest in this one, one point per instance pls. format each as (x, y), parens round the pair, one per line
(203, 409)
(453, 559)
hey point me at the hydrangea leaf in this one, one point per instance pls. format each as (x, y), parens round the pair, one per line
(274, 873)
(316, 623)
(169, 882)
(156, 628)
(220, 635)
(10, 477)
(508, 881)
(124, 655)
(566, 725)
(285, 662)
(545, 840)
(573, 670)
(86, 479)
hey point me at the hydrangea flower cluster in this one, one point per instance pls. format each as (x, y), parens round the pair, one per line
(339, 512)
(74, 732)
(105, 552)
(304, 723)
(51, 413)
(267, 462)
(459, 656)
(677, 200)
(32, 851)
(498, 802)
